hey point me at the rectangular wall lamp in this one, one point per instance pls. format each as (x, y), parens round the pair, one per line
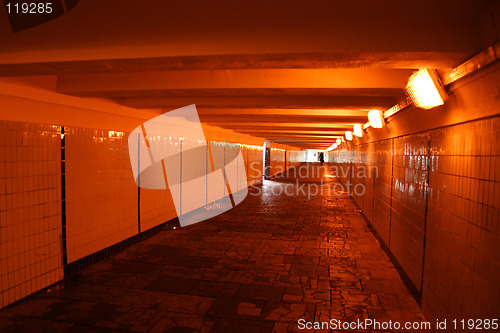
(357, 130)
(425, 89)
(376, 118)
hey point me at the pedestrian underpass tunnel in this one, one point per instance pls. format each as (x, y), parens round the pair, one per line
(260, 166)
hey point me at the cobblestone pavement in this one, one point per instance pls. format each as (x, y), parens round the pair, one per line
(261, 267)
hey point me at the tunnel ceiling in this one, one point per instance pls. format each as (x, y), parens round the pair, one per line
(296, 72)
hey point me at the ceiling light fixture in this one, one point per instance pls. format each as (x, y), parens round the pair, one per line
(348, 135)
(425, 89)
(338, 141)
(357, 130)
(332, 147)
(376, 118)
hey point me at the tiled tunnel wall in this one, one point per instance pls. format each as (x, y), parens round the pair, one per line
(434, 200)
(295, 158)
(30, 209)
(277, 161)
(101, 195)
(282, 160)
(89, 188)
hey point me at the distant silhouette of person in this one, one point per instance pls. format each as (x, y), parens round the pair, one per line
(321, 158)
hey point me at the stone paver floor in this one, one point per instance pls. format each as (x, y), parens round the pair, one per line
(276, 258)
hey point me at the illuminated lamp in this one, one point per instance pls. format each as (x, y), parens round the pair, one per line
(357, 130)
(425, 89)
(348, 135)
(338, 141)
(332, 147)
(376, 118)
